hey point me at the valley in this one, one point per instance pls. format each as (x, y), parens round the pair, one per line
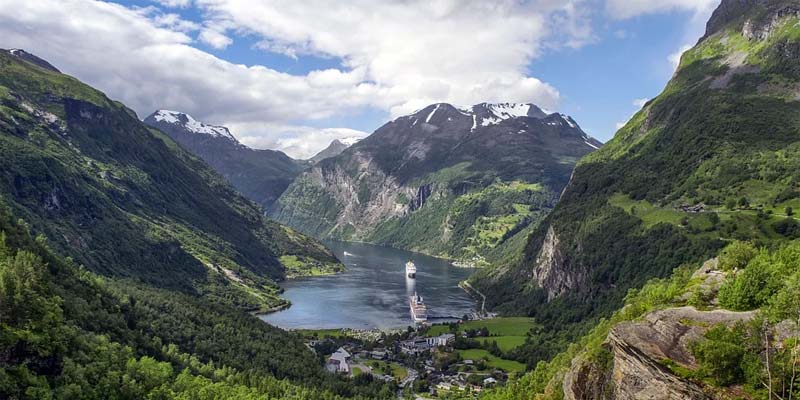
(492, 251)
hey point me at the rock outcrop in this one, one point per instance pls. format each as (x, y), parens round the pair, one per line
(641, 350)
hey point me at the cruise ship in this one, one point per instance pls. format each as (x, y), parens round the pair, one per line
(411, 269)
(419, 311)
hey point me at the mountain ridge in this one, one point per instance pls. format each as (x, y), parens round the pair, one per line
(378, 189)
(261, 175)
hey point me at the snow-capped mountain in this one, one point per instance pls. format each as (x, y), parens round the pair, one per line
(420, 181)
(261, 175)
(491, 114)
(191, 125)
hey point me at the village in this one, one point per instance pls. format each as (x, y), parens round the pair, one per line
(463, 358)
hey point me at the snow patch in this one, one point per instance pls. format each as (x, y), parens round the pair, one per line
(349, 141)
(192, 125)
(427, 120)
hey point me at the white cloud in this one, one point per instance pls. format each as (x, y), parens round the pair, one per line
(623, 9)
(675, 58)
(396, 56)
(299, 142)
(214, 38)
(174, 3)
(418, 52)
(639, 103)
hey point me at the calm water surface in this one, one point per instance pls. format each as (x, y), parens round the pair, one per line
(373, 292)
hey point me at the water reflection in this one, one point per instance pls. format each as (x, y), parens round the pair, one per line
(374, 291)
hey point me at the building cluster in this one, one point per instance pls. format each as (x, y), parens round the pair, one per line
(422, 344)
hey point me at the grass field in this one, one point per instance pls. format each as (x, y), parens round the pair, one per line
(512, 326)
(321, 333)
(505, 343)
(386, 368)
(492, 361)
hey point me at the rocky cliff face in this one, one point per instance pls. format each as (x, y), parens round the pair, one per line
(261, 175)
(423, 180)
(638, 368)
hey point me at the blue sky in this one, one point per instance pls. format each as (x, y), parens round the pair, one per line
(295, 75)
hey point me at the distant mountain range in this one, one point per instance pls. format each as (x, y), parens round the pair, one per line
(449, 181)
(261, 175)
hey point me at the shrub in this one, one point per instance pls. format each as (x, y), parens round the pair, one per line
(736, 255)
(720, 355)
(752, 287)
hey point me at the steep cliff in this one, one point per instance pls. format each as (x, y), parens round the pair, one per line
(460, 183)
(643, 355)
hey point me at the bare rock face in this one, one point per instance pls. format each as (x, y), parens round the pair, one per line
(587, 381)
(639, 349)
(551, 270)
(769, 12)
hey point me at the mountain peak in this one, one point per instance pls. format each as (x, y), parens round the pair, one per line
(336, 147)
(348, 141)
(487, 114)
(25, 56)
(192, 125)
(755, 17)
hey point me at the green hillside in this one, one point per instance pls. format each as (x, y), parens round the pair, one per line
(67, 333)
(712, 159)
(127, 202)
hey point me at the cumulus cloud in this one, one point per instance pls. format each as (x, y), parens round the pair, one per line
(214, 38)
(418, 51)
(639, 103)
(675, 58)
(300, 142)
(173, 3)
(623, 9)
(395, 56)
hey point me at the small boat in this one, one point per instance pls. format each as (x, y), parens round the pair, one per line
(411, 269)
(419, 311)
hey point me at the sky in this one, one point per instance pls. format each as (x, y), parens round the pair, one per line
(294, 75)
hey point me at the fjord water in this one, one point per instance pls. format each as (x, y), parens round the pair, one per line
(373, 292)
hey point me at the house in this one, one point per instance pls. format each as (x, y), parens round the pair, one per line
(378, 355)
(489, 381)
(441, 340)
(469, 362)
(339, 361)
(414, 346)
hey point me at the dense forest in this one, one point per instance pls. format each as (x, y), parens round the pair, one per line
(70, 334)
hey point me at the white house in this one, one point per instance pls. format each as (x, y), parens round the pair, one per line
(339, 361)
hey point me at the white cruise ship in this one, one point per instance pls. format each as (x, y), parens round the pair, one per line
(419, 311)
(411, 269)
